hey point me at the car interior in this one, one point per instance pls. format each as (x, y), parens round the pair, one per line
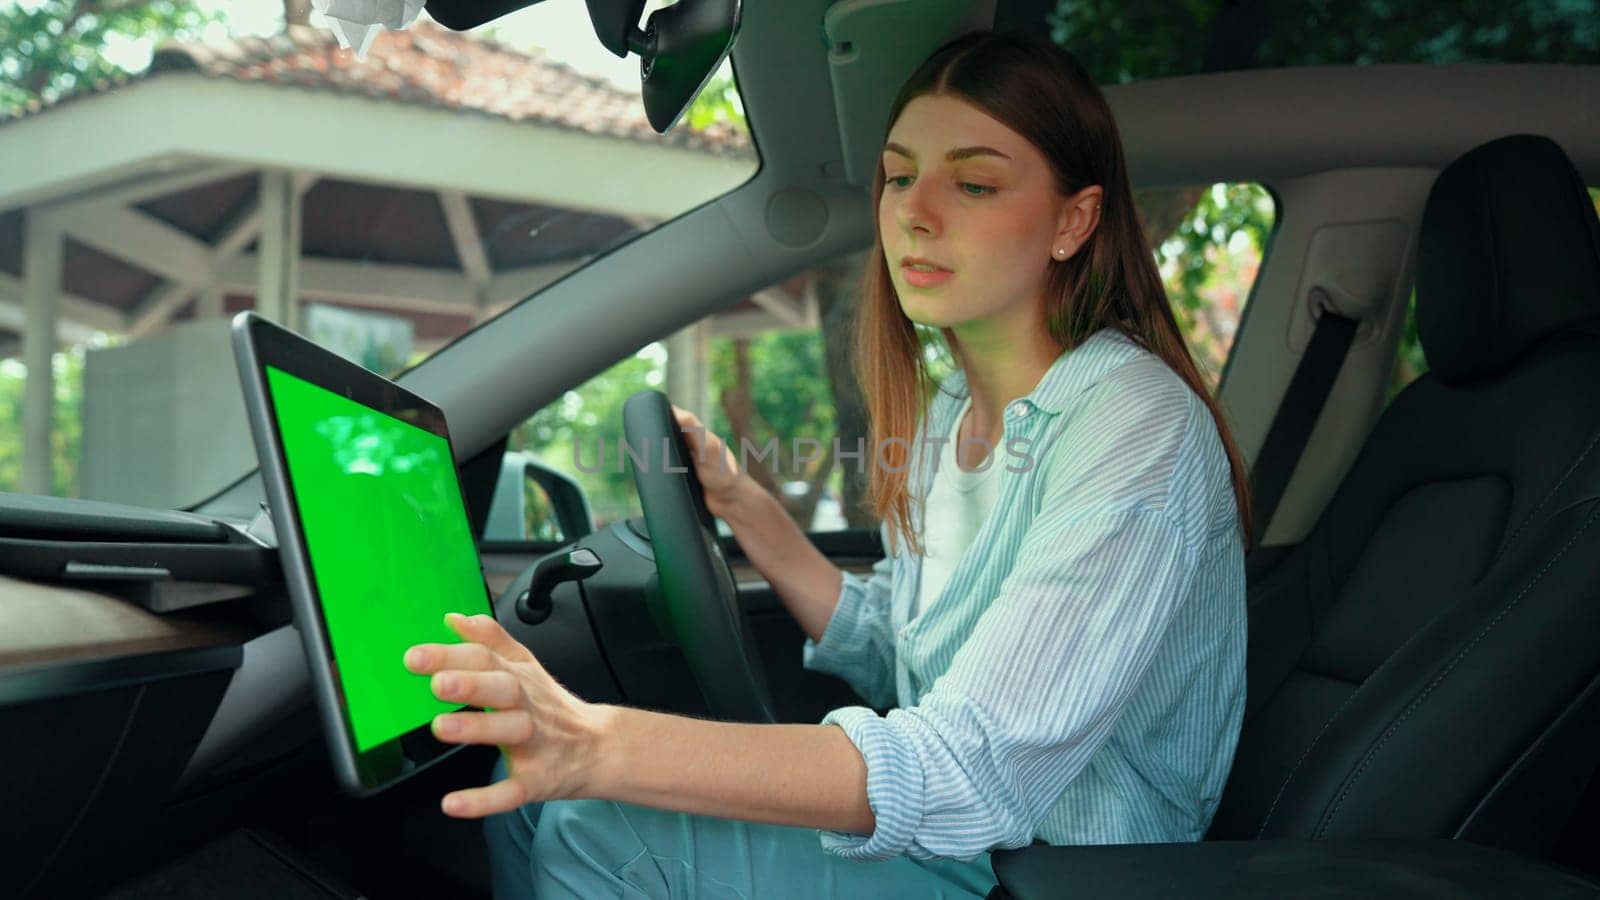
(1423, 713)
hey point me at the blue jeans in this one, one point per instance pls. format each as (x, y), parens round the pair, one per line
(591, 849)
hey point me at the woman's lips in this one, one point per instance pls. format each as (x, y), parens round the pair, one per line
(923, 278)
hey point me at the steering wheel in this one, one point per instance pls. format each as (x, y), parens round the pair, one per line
(697, 592)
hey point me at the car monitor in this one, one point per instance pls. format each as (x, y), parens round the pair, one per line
(362, 488)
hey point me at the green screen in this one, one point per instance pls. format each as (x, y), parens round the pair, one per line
(389, 544)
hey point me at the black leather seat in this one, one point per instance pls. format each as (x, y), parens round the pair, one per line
(1424, 664)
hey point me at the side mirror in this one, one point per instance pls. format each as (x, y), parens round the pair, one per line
(533, 502)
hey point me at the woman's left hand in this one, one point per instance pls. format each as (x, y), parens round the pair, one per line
(549, 737)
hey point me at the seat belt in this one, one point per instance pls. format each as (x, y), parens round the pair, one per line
(1297, 414)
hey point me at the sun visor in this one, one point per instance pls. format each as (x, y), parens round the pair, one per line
(873, 47)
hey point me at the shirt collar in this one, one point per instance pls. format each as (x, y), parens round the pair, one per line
(1072, 372)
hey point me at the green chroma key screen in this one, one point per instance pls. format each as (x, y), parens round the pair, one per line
(390, 548)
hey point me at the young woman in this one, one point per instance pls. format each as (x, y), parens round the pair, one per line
(1060, 623)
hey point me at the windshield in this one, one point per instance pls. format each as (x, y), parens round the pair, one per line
(196, 158)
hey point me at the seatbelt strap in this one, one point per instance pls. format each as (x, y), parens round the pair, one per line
(1297, 414)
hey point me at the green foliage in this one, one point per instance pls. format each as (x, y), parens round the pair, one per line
(1442, 31)
(1171, 37)
(1226, 215)
(54, 47)
(1122, 42)
(66, 434)
(717, 103)
(790, 390)
(1410, 362)
(1209, 263)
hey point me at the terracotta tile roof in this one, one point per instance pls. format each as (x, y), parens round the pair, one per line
(428, 65)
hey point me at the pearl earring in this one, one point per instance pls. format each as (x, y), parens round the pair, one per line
(1061, 252)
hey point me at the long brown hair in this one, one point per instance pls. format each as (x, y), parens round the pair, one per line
(1040, 91)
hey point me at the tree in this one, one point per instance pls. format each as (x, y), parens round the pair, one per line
(54, 47)
(775, 392)
(717, 103)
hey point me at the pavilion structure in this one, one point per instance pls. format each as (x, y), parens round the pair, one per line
(442, 179)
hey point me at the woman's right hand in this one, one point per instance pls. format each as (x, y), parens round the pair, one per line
(721, 482)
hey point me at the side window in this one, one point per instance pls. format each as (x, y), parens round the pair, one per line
(782, 393)
(770, 375)
(580, 434)
(1209, 243)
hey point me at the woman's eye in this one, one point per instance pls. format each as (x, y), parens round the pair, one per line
(976, 190)
(899, 178)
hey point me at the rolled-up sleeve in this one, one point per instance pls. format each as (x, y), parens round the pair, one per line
(1029, 698)
(858, 644)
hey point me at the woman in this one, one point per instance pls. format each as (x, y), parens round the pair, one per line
(1060, 620)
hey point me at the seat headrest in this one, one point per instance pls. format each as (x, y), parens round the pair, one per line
(1509, 253)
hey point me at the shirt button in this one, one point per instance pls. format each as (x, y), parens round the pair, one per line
(1019, 409)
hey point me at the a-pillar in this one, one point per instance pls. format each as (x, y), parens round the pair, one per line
(687, 384)
(278, 281)
(41, 290)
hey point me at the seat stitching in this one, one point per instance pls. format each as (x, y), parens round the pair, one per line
(1309, 747)
(1322, 830)
(1595, 439)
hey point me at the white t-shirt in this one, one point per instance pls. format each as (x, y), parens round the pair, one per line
(958, 503)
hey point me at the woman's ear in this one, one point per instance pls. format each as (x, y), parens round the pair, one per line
(1080, 215)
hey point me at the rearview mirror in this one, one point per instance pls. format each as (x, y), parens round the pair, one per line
(679, 47)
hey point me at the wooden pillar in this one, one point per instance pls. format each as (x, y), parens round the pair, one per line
(41, 274)
(278, 280)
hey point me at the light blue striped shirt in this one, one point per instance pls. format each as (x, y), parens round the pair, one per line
(1081, 676)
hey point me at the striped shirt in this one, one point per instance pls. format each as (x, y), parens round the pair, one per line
(1080, 678)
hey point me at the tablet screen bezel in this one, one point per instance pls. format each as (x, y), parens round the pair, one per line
(259, 343)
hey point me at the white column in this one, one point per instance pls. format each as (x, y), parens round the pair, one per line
(687, 384)
(41, 277)
(209, 302)
(278, 280)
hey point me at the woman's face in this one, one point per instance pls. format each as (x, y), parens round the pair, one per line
(978, 202)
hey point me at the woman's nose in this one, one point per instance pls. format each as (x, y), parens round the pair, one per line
(918, 212)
